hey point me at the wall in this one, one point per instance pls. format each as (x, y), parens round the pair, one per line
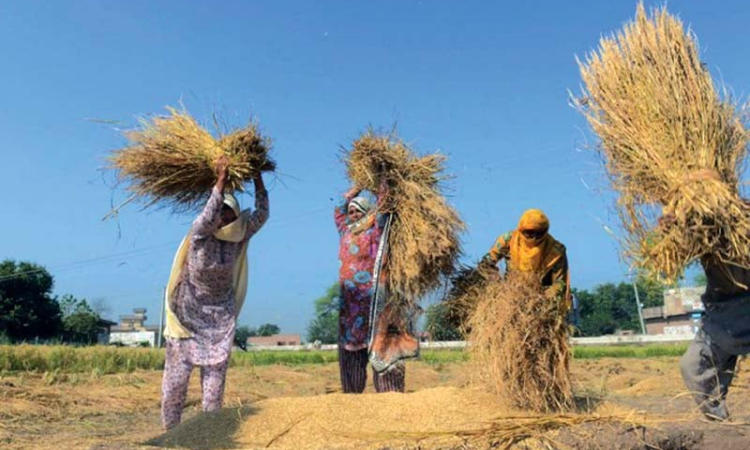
(682, 324)
(133, 338)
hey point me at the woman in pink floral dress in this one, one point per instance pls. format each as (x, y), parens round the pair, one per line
(203, 307)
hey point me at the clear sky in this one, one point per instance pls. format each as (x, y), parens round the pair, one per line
(484, 82)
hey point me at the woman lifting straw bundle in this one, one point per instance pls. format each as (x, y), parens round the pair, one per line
(531, 370)
(362, 276)
(392, 251)
(205, 294)
(174, 161)
(674, 148)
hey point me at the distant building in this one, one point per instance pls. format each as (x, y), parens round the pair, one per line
(275, 340)
(104, 328)
(133, 331)
(680, 313)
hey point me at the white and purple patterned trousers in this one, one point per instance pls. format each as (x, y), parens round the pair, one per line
(177, 370)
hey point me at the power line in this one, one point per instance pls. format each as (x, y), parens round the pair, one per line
(90, 262)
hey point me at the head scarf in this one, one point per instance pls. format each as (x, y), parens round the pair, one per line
(365, 206)
(235, 231)
(361, 204)
(532, 255)
(232, 202)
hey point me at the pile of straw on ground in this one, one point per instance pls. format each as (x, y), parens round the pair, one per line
(424, 238)
(671, 145)
(171, 160)
(430, 419)
(519, 340)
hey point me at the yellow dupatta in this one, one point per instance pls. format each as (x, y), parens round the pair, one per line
(234, 232)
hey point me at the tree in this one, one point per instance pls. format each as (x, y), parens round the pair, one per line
(27, 308)
(610, 307)
(268, 329)
(438, 325)
(324, 327)
(607, 308)
(651, 291)
(244, 332)
(80, 324)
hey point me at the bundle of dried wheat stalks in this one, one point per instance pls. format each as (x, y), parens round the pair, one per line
(519, 341)
(424, 238)
(170, 160)
(671, 145)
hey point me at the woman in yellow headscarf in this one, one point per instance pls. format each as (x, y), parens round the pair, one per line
(531, 249)
(205, 293)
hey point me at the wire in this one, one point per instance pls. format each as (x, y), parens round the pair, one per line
(90, 262)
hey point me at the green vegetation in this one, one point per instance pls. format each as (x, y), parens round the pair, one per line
(609, 307)
(109, 360)
(324, 327)
(630, 351)
(68, 359)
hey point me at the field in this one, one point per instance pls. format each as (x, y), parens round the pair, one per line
(108, 399)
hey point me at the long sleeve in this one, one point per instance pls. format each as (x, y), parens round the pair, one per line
(258, 218)
(209, 219)
(561, 280)
(500, 250)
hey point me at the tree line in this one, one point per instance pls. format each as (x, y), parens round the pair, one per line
(29, 312)
(603, 309)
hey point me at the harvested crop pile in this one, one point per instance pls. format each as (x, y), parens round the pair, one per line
(438, 418)
(461, 299)
(671, 145)
(424, 237)
(519, 340)
(170, 160)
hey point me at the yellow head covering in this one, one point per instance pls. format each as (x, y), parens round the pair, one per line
(233, 232)
(532, 255)
(533, 219)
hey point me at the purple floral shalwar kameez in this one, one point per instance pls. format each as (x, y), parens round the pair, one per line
(204, 302)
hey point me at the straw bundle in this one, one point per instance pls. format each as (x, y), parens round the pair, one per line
(466, 286)
(671, 145)
(171, 160)
(424, 238)
(519, 338)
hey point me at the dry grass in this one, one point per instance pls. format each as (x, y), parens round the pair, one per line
(670, 143)
(171, 159)
(87, 410)
(466, 286)
(506, 431)
(519, 340)
(424, 240)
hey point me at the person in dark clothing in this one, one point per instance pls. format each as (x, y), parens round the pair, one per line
(724, 334)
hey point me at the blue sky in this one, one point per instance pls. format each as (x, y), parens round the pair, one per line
(484, 82)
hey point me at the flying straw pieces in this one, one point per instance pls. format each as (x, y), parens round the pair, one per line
(424, 238)
(671, 145)
(519, 340)
(171, 160)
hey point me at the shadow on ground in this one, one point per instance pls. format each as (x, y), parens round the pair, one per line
(207, 431)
